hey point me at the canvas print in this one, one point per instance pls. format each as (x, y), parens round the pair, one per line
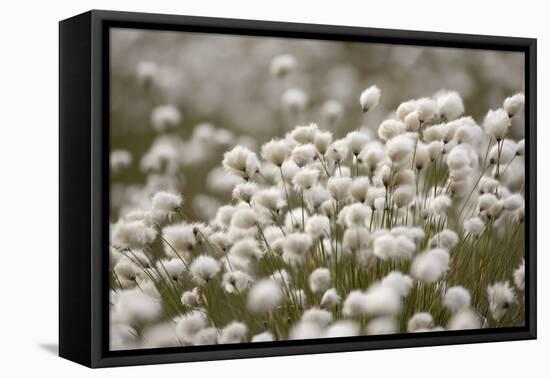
(266, 189)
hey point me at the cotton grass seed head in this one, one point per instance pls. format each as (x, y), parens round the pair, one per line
(420, 322)
(456, 298)
(369, 98)
(282, 65)
(264, 296)
(430, 266)
(501, 296)
(514, 104)
(330, 299)
(497, 123)
(275, 151)
(319, 280)
(165, 118)
(204, 268)
(232, 333)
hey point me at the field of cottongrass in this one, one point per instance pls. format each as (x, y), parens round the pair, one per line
(409, 223)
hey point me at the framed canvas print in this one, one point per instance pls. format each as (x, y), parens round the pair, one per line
(233, 188)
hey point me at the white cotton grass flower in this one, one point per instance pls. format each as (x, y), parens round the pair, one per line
(270, 199)
(412, 121)
(241, 162)
(399, 282)
(236, 281)
(147, 72)
(514, 104)
(372, 155)
(435, 149)
(120, 160)
(420, 322)
(400, 149)
(318, 316)
(165, 118)
(439, 204)
(464, 319)
(357, 140)
(382, 300)
(486, 201)
(179, 239)
(339, 188)
(265, 336)
(474, 226)
(359, 188)
(519, 276)
(429, 266)
(501, 296)
(504, 153)
(165, 203)
(137, 307)
(383, 325)
(264, 296)
(343, 328)
(355, 239)
(421, 156)
(514, 202)
(305, 179)
(356, 214)
(405, 108)
(488, 184)
(332, 111)
(456, 298)
(355, 304)
(337, 152)
(173, 269)
(244, 191)
(281, 278)
(369, 98)
(303, 154)
(390, 128)
(404, 196)
(304, 134)
(188, 325)
(388, 246)
(204, 268)
(233, 333)
(243, 218)
(427, 108)
(224, 216)
(289, 169)
(160, 335)
(206, 336)
(295, 100)
(297, 243)
(191, 298)
(282, 65)
(319, 280)
(133, 234)
(330, 299)
(305, 330)
(378, 300)
(446, 239)
(276, 151)
(450, 105)
(246, 248)
(322, 140)
(496, 123)
(318, 227)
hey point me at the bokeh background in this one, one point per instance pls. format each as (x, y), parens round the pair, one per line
(225, 92)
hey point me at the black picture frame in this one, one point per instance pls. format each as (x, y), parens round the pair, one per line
(84, 186)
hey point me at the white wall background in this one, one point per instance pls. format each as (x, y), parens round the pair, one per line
(29, 186)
